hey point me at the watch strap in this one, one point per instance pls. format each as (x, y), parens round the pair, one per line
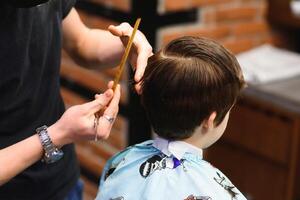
(52, 153)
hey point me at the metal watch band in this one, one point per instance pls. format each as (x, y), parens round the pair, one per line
(52, 153)
(45, 139)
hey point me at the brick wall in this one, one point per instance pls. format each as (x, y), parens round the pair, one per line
(238, 24)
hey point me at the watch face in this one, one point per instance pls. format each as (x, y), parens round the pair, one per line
(53, 156)
(57, 155)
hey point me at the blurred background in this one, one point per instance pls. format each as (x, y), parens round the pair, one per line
(259, 151)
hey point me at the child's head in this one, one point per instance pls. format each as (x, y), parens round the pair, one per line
(191, 80)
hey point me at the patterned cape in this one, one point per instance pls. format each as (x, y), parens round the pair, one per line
(162, 170)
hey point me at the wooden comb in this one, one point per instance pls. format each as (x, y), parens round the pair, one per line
(125, 55)
(123, 62)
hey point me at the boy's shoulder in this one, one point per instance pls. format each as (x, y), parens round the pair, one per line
(132, 153)
(143, 172)
(138, 150)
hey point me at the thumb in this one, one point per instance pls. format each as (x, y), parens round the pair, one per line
(101, 102)
(124, 29)
(114, 30)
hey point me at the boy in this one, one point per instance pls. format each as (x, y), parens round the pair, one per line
(188, 90)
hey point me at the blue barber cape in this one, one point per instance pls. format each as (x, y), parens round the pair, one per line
(163, 170)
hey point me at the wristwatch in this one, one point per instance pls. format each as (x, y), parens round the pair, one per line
(52, 153)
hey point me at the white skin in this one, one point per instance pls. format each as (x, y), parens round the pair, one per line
(76, 124)
(91, 48)
(94, 47)
(208, 133)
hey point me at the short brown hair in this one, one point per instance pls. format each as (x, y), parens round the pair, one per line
(185, 82)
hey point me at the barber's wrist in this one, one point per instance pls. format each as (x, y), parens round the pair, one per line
(58, 135)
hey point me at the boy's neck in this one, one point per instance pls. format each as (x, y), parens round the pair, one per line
(197, 139)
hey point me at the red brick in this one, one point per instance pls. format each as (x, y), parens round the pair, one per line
(208, 16)
(263, 9)
(93, 21)
(236, 13)
(95, 80)
(239, 45)
(211, 32)
(198, 3)
(174, 5)
(250, 28)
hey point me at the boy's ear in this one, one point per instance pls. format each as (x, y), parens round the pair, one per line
(208, 123)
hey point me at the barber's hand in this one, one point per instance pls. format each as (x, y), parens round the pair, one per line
(77, 123)
(105, 124)
(140, 52)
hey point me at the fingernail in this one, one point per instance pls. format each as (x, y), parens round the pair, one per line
(108, 93)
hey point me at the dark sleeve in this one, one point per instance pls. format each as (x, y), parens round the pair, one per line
(66, 7)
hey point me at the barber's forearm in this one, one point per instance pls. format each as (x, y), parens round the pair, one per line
(18, 157)
(90, 47)
(98, 49)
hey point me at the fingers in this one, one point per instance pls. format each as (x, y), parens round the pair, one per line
(138, 88)
(124, 29)
(111, 111)
(143, 49)
(114, 30)
(113, 107)
(142, 59)
(101, 101)
(110, 84)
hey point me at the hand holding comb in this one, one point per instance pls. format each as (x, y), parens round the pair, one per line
(125, 55)
(121, 68)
